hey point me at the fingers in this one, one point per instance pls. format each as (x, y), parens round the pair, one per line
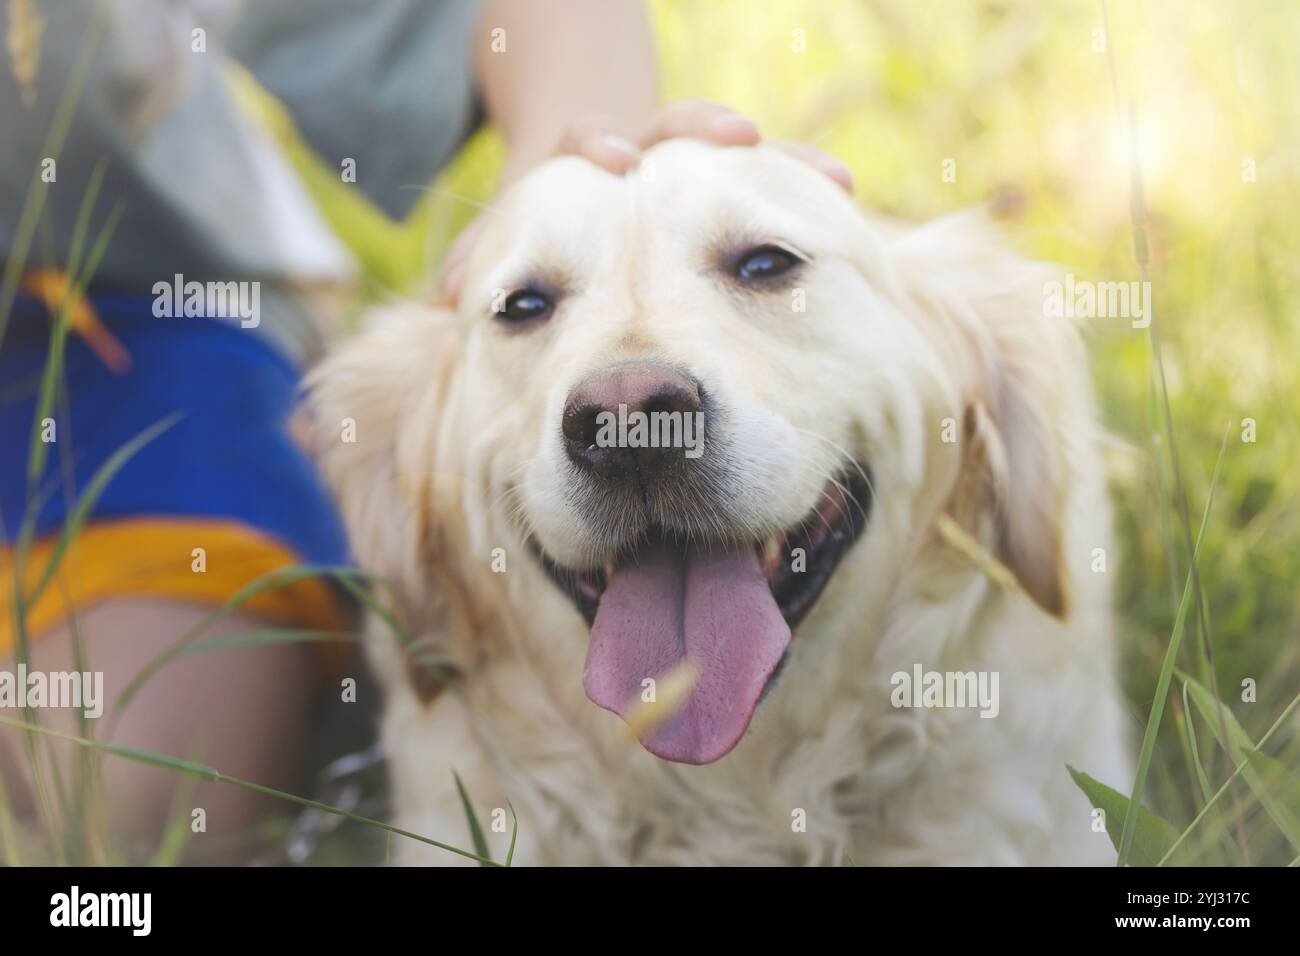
(594, 139)
(699, 119)
(819, 160)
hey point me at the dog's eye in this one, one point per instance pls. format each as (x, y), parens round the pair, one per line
(765, 262)
(526, 305)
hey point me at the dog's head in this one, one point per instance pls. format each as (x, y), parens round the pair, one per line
(694, 397)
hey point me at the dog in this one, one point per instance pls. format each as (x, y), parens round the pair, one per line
(693, 651)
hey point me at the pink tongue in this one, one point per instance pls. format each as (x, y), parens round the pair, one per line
(665, 607)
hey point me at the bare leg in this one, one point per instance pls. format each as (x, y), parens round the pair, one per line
(241, 710)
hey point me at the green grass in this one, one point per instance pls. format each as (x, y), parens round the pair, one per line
(1036, 115)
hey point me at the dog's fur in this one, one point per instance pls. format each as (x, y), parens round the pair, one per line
(908, 337)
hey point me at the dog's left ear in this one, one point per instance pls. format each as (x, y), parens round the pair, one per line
(1024, 458)
(1022, 379)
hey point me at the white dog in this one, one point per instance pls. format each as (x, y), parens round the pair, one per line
(876, 460)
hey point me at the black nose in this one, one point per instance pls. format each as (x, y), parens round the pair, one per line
(633, 421)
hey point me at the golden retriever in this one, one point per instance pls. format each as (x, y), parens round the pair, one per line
(896, 481)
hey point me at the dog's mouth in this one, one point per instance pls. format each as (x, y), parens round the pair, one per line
(716, 616)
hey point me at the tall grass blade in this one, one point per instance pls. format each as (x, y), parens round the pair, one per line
(1238, 745)
(1142, 258)
(514, 832)
(272, 580)
(211, 775)
(90, 497)
(1205, 810)
(475, 830)
(1166, 675)
(1279, 792)
(38, 191)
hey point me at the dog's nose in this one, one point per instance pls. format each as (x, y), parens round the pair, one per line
(633, 420)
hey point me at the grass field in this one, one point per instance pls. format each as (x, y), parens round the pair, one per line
(1029, 103)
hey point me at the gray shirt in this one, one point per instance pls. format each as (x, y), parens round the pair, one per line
(205, 192)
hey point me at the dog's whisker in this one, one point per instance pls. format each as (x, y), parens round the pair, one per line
(845, 458)
(439, 191)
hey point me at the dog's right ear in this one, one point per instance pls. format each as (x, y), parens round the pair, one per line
(378, 403)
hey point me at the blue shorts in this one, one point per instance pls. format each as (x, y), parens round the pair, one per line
(226, 481)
